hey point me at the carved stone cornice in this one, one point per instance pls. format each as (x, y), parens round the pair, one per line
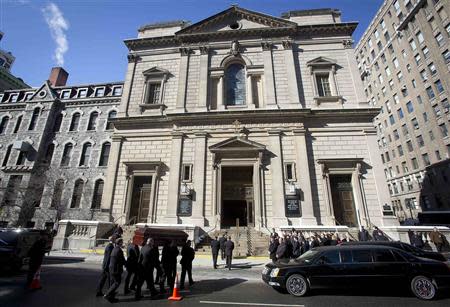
(266, 46)
(348, 43)
(204, 50)
(287, 44)
(133, 58)
(184, 51)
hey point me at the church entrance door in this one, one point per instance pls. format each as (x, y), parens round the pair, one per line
(140, 198)
(343, 203)
(237, 196)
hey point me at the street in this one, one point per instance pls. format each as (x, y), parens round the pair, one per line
(71, 282)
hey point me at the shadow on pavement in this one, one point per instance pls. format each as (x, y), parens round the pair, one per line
(62, 259)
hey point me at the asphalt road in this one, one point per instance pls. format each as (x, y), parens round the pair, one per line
(72, 283)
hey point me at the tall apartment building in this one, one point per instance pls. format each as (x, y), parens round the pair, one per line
(7, 79)
(404, 61)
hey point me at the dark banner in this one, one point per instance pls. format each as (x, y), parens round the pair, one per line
(185, 206)
(292, 206)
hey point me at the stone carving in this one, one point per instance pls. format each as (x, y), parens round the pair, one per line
(266, 46)
(185, 51)
(133, 58)
(348, 43)
(234, 50)
(204, 49)
(287, 44)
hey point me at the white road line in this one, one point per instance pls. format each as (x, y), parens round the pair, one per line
(249, 304)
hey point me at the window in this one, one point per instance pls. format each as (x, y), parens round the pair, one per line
(104, 155)
(409, 146)
(413, 82)
(18, 123)
(383, 256)
(376, 34)
(391, 119)
(323, 85)
(391, 84)
(426, 52)
(49, 153)
(289, 170)
(388, 72)
(65, 94)
(417, 59)
(21, 158)
(413, 45)
(437, 110)
(439, 86)
(92, 125)
(82, 93)
(431, 134)
(100, 92)
(432, 69)
(400, 76)
(12, 189)
(13, 97)
(75, 122)
(395, 62)
(77, 193)
(383, 24)
(438, 155)
(369, 43)
(414, 163)
(67, 154)
(425, 116)
(430, 93)
(7, 154)
(442, 13)
(404, 54)
(85, 154)
(58, 122)
(361, 256)
(391, 49)
(98, 193)
(445, 105)
(446, 56)
(409, 183)
(379, 45)
(419, 99)
(426, 159)
(111, 115)
(439, 39)
(57, 193)
(154, 93)
(380, 78)
(34, 119)
(396, 99)
(400, 150)
(400, 113)
(4, 124)
(419, 140)
(444, 130)
(405, 168)
(410, 107)
(117, 91)
(396, 134)
(383, 58)
(330, 257)
(383, 91)
(415, 123)
(423, 75)
(388, 158)
(419, 36)
(27, 96)
(235, 84)
(186, 173)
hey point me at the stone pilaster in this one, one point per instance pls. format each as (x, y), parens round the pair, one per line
(128, 85)
(276, 168)
(203, 82)
(198, 215)
(304, 178)
(111, 175)
(269, 79)
(294, 97)
(174, 177)
(182, 79)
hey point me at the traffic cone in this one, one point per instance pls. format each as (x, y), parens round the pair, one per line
(175, 295)
(36, 282)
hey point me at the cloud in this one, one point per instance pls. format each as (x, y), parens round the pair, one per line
(57, 25)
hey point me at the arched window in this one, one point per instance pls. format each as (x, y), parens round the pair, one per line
(109, 124)
(75, 122)
(21, 158)
(104, 156)
(58, 122)
(7, 154)
(77, 193)
(92, 125)
(57, 193)
(49, 153)
(235, 84)
(18, 123)
(34, 119)
(4, 124)
(85, 154)
(67, 153)
(98, 192)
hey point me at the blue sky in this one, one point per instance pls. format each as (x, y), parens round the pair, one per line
(90, 33)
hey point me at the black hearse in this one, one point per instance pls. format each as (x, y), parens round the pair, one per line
(358, 266)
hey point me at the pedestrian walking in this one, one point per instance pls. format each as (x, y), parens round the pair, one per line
(363, 234)
(215, 247)
(146, 266)
(187, 256)
(281, 249)
(104, 277)
(436, 238)
(116, 263)
(273, 248)
(169, 262)
(296, 248)
(222, 241)
(378, 235)
(416, 240)
(131, 266)
(229, 247)
(36, 255)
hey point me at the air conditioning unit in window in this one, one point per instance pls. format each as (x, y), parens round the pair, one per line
(21, 146)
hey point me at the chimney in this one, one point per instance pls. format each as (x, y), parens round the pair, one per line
(58, 76)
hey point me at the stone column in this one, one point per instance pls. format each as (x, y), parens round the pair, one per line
(220, 101)
(198, 215)
(269, 80)
(203, 82)
(330, 219)
(276, 169)
(182, 79)
(174, 177)
(128, 85)
(294, 97)
(111, 175)
(304, 178)
(250, 103)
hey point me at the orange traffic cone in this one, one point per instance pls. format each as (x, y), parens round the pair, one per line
(175, 295)
(36, 282)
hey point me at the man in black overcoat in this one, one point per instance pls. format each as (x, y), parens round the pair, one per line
(187, 256)
(146, 265)
(273, 248)
(104, 277)
(281, 249)
(229, 247)
(116, 263)
(132, 266)
(169, 262)
(215, 247)
(222, 241)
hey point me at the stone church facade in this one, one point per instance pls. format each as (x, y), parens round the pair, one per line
(245, 119)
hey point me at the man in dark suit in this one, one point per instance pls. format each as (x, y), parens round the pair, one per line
(281, 249)
(363, 234)
(215, 247)
(116, 263)
(187, 256)
(222, 241)
(145, 268)
(273, 248)
(229, 247)
(169, 262)
(104, 278)
(132, 266)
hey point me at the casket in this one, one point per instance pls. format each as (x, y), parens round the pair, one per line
(160, 236)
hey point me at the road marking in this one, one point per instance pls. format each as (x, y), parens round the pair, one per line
(249, 304)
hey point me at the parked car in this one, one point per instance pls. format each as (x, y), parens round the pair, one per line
(368, 266)
(15, 244)
(403, 246)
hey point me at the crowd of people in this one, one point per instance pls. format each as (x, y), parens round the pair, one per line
(141, 265)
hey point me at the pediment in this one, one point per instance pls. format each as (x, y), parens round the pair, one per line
(244, 19)
(321, 61)
(237, 144)
(44, 93)
(155, 71)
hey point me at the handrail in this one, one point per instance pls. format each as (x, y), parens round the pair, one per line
(348, 232)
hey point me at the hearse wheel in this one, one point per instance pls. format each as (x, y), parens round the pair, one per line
(297, 285)
(423, 288)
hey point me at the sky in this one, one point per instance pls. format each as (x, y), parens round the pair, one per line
(86, 36)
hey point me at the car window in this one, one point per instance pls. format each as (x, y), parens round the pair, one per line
(330, 257)
(346, 256)
(362, 256)
(308, 256)
(383, 256)
(403, 256)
